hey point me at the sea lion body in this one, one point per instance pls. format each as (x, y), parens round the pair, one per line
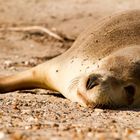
(95, 68)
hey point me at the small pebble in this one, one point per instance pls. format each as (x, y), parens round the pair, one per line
(90, 134)
(32, 46)
(128, 131)
(28, 127)
(2, 135)
(8, 63)
(98, 110)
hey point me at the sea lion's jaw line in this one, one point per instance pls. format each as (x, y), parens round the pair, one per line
(84, 99)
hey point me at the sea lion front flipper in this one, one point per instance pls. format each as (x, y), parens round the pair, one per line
(29, 79)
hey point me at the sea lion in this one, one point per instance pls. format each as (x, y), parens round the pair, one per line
(101, 68)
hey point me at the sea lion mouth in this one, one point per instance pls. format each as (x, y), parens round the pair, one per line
(91, 104)
(84, 99)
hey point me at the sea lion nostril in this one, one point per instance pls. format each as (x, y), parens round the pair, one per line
(130, 92)
(92, 82)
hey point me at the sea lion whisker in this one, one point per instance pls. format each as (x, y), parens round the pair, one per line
(73, 83)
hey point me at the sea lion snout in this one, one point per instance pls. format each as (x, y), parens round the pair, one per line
(86, 87)
(90, 90)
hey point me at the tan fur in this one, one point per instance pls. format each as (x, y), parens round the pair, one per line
(108, 52)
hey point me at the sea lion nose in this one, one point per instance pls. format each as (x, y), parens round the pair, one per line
(130, 92)
(92, 82)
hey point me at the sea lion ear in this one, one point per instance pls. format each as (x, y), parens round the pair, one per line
(130, 92)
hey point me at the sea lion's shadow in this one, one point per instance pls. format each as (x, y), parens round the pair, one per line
(55, 94)
(135, 109)
(129, 109)
(59, 95)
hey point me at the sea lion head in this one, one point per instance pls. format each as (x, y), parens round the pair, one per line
(115, 83)
(100, 90)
